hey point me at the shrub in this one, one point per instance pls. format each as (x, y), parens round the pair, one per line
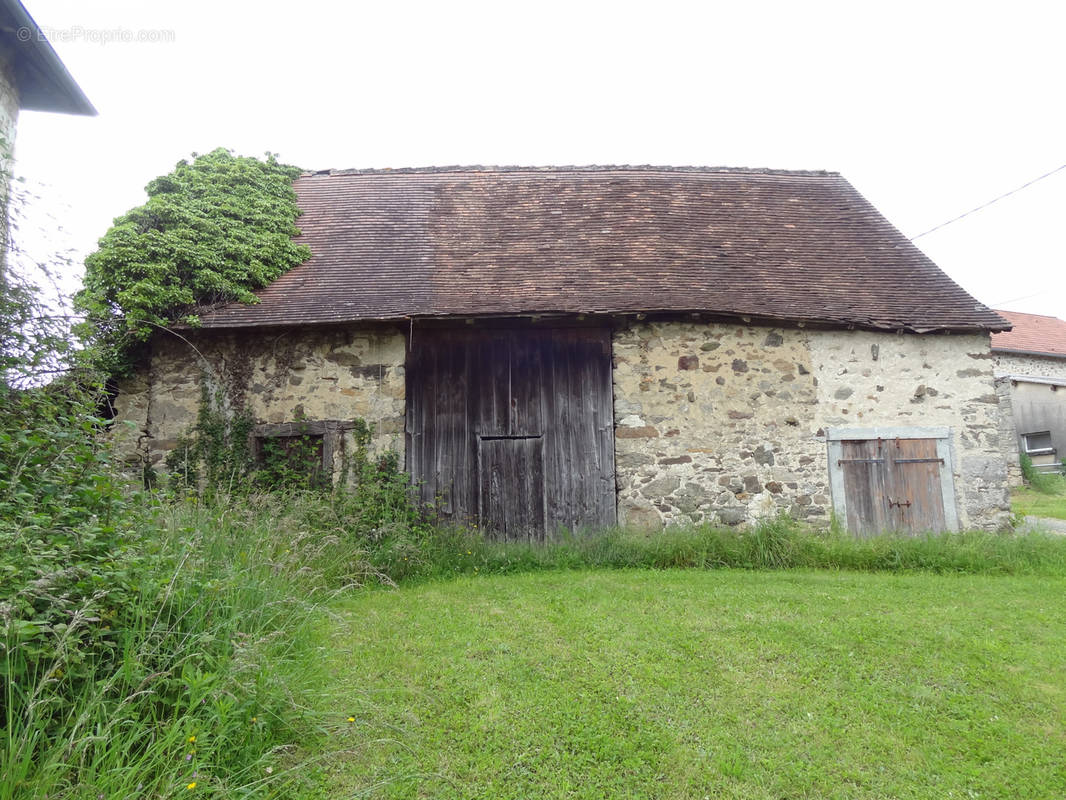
(1044, 482)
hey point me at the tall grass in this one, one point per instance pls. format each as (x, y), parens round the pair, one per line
(216, 657)
(1043, 482)
(216, 649)
(777, 544)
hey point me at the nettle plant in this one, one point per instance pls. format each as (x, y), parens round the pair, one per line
(213, 231)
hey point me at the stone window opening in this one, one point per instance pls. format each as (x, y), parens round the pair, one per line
(298, 454)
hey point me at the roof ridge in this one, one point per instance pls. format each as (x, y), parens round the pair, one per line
(550, 169)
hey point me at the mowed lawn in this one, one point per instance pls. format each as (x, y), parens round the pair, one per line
(701, 684)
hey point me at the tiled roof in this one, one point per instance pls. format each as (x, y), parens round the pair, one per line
(1032, 333)
(440, 242)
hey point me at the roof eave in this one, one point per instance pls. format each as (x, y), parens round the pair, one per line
(1015, 352)
(887, 326)
(44, 83)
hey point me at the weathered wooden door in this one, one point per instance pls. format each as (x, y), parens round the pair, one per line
(511, 497)
(513, 428)
(892, 485)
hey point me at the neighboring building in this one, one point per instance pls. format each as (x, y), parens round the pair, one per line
(33, 78)
(1030, 368)
(576, 347)
(31, 75)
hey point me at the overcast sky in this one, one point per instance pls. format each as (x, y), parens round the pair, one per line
(928, 108)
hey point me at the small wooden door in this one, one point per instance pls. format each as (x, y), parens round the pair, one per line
(511, 486)
(892, 485)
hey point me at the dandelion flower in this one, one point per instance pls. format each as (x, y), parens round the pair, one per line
(192, 740)
(191, 785)
(351, 719)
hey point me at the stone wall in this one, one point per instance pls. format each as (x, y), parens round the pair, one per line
(9, 109)
(278, 376)
(726, 424)
(1009, 432)
(715, 423)
(872, 379)
(1033, 366)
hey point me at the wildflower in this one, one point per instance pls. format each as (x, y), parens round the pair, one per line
(191, 785)
(188, 756)
(255, 720)
(192, 740)
(351, 719)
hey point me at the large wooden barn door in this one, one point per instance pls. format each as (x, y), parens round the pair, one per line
(892, 485)
(513, 428)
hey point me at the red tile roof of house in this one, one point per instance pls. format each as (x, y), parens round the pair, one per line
(461, 242)
(1032, 333)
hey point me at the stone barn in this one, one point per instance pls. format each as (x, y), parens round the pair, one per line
(552, 348)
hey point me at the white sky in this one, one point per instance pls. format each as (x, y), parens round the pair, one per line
(928, 108)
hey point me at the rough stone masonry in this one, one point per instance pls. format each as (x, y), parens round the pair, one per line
(719, 423)
(727, 423)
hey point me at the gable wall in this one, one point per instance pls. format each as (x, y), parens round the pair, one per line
(727, 424)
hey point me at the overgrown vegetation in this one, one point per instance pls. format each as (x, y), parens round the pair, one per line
(138, 655)
(213, 230)
(1044, 494)
(192, 671)
(1044, 482)
(778, 544)
(215, 455)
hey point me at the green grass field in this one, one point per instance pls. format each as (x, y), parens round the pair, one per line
(721, 684)
(1028, 501)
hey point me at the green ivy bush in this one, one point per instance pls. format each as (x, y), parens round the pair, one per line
(213, 230)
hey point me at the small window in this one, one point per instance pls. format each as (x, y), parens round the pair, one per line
(298, 455)
(1038, 443)
(290, 462)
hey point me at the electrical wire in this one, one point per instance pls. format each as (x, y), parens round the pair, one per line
(990, 202)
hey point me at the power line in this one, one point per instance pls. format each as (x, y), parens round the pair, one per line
(1016, 299)
(990, 202)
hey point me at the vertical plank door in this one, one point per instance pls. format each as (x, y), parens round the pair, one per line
(511, 487)
(914, 494)
(863, 466)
